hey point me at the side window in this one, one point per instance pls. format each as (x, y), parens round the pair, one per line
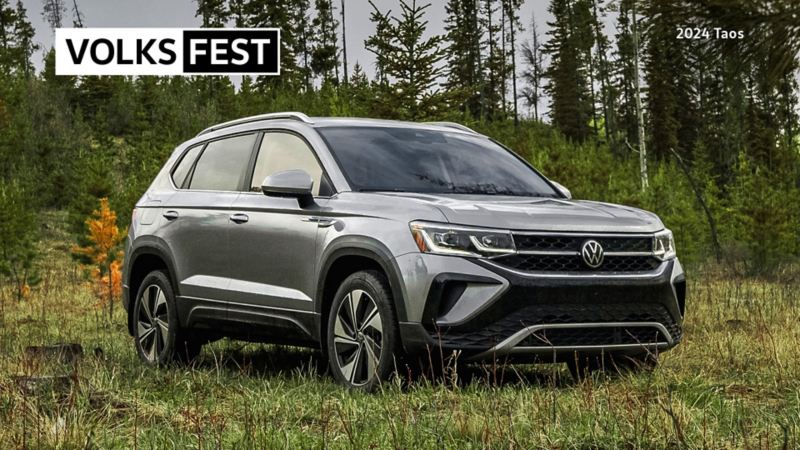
(185, 165)
(223, 164)
(284, 151)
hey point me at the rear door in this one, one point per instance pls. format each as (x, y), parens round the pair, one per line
(197, 223)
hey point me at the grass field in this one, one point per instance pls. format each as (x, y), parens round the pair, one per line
(734, 382)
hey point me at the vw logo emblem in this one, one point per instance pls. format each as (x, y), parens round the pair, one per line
(592, 253)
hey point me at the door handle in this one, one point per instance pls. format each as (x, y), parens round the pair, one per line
(239, 218)
(322, 222)
(170, 215)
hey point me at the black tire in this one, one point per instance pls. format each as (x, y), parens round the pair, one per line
(155, 309)
(352, 332)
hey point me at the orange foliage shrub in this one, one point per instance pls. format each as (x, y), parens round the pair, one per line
(104, 254)
(109, 286)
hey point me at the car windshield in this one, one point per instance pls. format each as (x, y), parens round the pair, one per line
(428, 161)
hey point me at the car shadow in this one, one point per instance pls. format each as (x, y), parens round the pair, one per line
(527, 375)
(262, 360)
(267, 360)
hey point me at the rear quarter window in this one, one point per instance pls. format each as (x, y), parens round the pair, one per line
(182, 169)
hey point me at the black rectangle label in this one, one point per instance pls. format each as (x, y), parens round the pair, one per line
(210, 51)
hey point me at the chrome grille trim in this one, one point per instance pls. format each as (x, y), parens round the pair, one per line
(588, 275)
(509, 345)
(553, 252)
(571, 253)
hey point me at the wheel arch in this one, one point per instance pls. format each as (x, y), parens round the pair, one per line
(347, 256)
(145, 258)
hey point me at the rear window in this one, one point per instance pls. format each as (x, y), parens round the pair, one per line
(223, 164)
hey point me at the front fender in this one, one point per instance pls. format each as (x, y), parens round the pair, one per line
(368, 247)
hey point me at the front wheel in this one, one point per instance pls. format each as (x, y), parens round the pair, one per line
(362, 331)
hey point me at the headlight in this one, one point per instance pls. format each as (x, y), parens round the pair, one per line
(664, 245)
(443, 239)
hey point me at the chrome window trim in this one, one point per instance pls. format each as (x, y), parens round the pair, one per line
(203, 150)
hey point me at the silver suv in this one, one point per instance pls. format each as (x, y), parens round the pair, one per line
(376, 241)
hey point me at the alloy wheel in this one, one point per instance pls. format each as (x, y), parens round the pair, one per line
(152, 322)
(358, 337)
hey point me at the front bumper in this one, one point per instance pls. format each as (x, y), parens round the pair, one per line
(493, 312)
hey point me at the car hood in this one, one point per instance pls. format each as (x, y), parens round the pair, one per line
(536, 213)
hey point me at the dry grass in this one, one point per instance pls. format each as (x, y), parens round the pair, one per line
(732, 383)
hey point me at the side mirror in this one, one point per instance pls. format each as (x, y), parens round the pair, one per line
(564, 191)
(290, 183)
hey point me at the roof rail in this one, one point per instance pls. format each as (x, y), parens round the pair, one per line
(271, 116)
(457, 126)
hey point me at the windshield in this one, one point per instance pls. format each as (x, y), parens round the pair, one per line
(426, 161)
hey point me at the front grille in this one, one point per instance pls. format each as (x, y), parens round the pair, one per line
(574, 263)
(562, 253)
(503, 328)
(546, 242)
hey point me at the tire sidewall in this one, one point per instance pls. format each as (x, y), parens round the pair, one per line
(374, 284)
(161, 280)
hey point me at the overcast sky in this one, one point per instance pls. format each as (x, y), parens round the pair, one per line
(181, 13)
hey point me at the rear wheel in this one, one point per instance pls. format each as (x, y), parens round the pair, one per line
(157, 334)
(362, 331)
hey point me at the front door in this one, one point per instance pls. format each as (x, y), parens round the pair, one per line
(273, 242)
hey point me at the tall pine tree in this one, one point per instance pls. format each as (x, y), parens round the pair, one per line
(463, 35)
(496, 67)
(411, 61)
(325, 50)
(623, 75)
(215, 90)
(272, 14)
(570, 101)
(671, 90)
(533, 57)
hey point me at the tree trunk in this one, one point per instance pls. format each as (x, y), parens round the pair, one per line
(306, 69)
(504, 77)
(344, 46)
(491, 53)
(593, 96)
(639, 112)
(514, 66)
(537, 68)
(77, 13)
(110, 295)
(609, 122)
(336, 66)
(480, 66)
(3, 35)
